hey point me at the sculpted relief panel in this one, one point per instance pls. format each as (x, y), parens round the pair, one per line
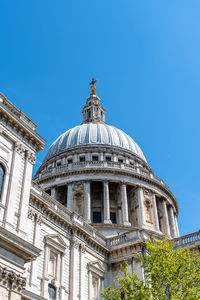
(78, 198)
(148, 208)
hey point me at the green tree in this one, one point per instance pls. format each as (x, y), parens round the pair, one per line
(169, 274)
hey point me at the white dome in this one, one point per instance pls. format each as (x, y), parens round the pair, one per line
(93, 134)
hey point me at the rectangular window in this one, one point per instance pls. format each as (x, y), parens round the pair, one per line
(69, 161)
(95, 158)
(96, 217)
(52, 292)
(82, 158)
(120, 161)
(113, 217)
(52, 263)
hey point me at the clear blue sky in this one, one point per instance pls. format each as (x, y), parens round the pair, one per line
(146, 56)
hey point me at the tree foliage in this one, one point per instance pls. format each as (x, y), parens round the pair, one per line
(169, 274)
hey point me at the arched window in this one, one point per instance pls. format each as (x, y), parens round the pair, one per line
(2, 174)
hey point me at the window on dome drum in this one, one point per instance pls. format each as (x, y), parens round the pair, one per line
(95, 158)
(82, 158)
(69, 161)
(113, 217)
(120, 161)
(52, 292)
(89, 114)
(2, 174)
(108, 158)
(96, 217)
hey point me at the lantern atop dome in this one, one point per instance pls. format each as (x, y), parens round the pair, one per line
(93, 111)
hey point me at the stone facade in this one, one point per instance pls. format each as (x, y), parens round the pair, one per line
(64, 234)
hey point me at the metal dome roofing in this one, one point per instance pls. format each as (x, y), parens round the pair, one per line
(93, 134)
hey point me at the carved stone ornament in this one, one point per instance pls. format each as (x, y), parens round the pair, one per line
(31, 157)
(11, 280)
(19, 148)
(33, 214)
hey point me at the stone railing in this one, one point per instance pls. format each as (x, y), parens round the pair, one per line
(187, 239)
(58, 170)
(124, 238)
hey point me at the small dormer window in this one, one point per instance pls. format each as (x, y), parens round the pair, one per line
(82, 159)
(58, 163)
(95, 158)
(108, 158)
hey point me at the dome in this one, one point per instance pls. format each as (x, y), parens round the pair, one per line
(93, 134)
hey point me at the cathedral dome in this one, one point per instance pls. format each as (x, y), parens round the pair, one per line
(90, 134)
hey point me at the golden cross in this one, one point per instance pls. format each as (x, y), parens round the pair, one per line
(93, 82)
(93, 87)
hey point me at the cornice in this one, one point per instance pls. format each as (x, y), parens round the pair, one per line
(18, 246)
(15, 118)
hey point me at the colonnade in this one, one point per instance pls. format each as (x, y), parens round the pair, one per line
(164, 217)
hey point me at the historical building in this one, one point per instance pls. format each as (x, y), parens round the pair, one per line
(91, 205)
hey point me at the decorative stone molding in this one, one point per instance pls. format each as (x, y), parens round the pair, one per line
(30, 157)
(11, 280)
(33, 214)
(55, 241)
(19, 148)
(19, 124)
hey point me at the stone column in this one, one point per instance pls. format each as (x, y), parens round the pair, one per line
(87, 203)
(176, 224)
(69, 196)
(155, 212)
(172, 222)
(141, 217)
(165, 217)
(106, 203)
(124, 205)
(53, 192)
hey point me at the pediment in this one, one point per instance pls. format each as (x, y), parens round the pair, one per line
(56, 241)
(96, 267)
